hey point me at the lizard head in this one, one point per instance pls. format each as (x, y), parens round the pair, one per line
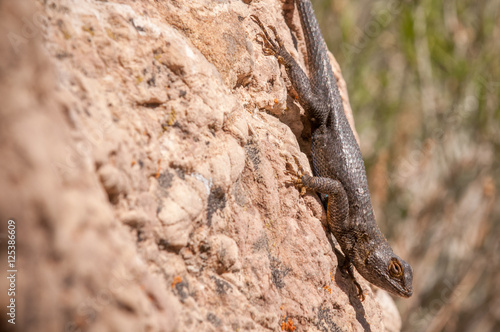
(391, 272)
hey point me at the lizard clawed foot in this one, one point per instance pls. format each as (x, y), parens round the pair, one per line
(297, 181)
(347, 268)
(298, 177)
(360, 294)
(350, 273)
(270, 46)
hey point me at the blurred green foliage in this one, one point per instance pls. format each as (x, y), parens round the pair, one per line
(424, 85)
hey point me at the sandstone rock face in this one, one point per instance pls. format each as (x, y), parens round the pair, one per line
(145, 151)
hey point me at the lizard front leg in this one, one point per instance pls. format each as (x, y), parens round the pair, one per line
(337, 214)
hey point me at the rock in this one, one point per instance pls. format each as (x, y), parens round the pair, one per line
(391, 317)
(113, 181)
(226, 251)
(146, 148)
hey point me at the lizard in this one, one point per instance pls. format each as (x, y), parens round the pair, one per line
(339, 175)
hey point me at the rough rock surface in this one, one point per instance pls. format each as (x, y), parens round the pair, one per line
(145, 146)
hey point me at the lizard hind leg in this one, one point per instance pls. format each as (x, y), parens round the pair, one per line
(271, 46)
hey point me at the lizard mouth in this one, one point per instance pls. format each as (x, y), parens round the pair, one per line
(407, 293)
(400, 291)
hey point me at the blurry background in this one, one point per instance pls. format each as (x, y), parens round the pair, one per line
(424, 86)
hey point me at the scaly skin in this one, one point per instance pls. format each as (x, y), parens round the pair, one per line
(338, 167)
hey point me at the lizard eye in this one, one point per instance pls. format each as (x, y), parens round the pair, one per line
(395, 268)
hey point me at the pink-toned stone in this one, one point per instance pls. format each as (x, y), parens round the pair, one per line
(148, 180)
